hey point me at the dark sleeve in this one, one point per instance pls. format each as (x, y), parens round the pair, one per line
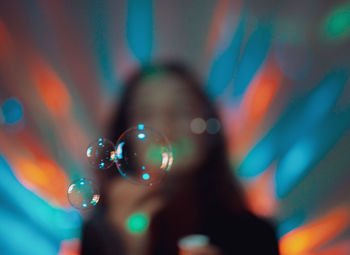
(91, 242)
(243, 234)
(99, 238)
(264, 238)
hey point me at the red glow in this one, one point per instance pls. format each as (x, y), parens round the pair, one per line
(6, 43)
(70, 247)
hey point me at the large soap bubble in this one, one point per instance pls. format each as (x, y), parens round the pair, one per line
(143, 155)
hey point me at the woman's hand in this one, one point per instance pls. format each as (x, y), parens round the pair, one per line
(125, 200)
(197, 244)
(203, 250)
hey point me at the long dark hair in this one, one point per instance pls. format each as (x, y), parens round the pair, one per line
(211, 185)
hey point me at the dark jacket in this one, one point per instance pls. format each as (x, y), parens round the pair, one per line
(242, 233)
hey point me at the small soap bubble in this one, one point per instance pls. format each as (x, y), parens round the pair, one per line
(83, 194)
(101, 153)
(143, 155)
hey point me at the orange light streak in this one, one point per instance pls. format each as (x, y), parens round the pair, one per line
(44, 177)
(219, 17)
(306, 238)
(254, 106)
(33, 167)
(51, 88)
(340, 248)
(260, 194)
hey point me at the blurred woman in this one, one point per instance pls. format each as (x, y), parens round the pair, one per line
(199, 195)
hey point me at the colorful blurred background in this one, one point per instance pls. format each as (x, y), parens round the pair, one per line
(278, 70)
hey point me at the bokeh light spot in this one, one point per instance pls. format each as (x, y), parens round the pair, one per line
(213, 126)
(198, 126)
(336, 25)
(12, 111)
(137, 223)
(145, 176)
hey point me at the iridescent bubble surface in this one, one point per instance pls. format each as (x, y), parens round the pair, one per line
(83, 194)
(101, 153)
(143, 155)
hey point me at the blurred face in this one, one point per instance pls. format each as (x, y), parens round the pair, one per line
(164, 102)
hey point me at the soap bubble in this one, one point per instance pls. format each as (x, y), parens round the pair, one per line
(143, 155)
(101, 153)
(83, 194)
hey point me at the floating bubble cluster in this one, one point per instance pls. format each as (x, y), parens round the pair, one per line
(142, 156)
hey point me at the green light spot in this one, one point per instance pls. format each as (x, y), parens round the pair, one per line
(336, 25)
(137, 223)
